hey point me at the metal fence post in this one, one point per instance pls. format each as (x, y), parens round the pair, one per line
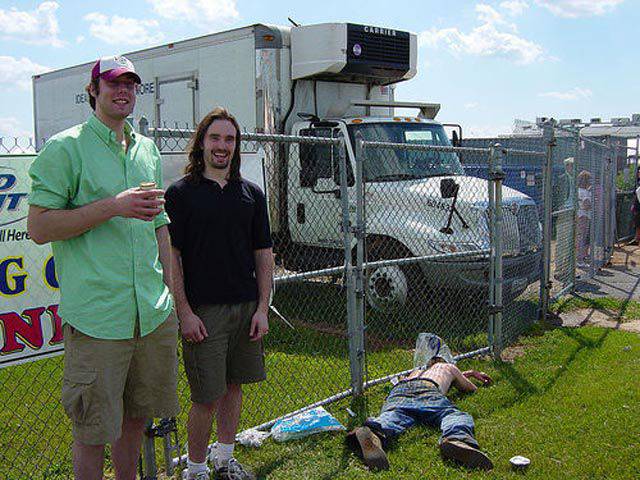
(492, 256)
(545, 285)
(359, 270)
(496, 176)
(149, 452)
(574, 224)
(355, 366)
(360, 233)
(611, 194)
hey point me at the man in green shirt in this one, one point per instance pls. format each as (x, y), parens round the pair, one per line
(111, 246)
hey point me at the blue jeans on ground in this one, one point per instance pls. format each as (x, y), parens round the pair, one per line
(420, 401)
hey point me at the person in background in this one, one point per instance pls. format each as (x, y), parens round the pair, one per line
(112, 252)
(564, 191)
(635, 209)
(585, 204)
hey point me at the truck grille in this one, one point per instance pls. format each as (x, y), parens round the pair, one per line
(378, 49)
(520, 229)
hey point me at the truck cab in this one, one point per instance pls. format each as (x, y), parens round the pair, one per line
(405, 210)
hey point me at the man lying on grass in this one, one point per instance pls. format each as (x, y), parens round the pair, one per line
(420, 397)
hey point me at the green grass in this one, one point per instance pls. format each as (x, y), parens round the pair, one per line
(571, 404)
(305, 364)
(617, 308)
(310, 362)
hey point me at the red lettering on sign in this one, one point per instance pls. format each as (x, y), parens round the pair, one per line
(56, 322)
(26, 328)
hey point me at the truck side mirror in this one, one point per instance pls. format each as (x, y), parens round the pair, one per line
(448, 188)
(455, 139)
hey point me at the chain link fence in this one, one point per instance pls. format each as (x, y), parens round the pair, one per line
(522, 161)
(374, 243)
(590, 195)
(425, 242)
(17, 145)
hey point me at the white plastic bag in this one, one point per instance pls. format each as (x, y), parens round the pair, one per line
(429, 345)
(252, 437)
(306, 423)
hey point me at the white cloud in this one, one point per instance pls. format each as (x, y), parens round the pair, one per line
(200, 12)
(80, 39)
(514, 7)
(12, 127)
(37, 27)
(471, 105)
(575, 93)
(18, 72)
(488, 14)
(579, 8)
(119, 30)
(487, 40)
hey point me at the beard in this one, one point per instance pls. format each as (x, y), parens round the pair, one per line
(217, 165)
(213, 162)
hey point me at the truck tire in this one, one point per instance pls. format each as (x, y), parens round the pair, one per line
(391, 287)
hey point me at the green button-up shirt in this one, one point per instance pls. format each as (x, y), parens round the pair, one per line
(110, 276)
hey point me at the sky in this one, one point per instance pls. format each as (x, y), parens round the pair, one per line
(487, 62)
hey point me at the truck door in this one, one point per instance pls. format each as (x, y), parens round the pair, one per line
(315, 209)
(176, 101)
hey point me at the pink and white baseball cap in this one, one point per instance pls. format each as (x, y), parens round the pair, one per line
(112, 67)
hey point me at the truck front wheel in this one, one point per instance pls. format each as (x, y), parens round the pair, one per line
(390, 287)
(387, 288)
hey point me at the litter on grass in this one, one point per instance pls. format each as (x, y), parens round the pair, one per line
(252, 437)
(306, 423)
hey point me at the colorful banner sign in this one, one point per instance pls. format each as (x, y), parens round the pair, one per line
(30, 327)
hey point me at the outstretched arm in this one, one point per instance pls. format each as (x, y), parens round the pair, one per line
(461, 381)
(481, 376)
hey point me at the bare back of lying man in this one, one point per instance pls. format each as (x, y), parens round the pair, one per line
(420, 398)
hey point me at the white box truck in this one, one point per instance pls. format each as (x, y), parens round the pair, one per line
(325, 80)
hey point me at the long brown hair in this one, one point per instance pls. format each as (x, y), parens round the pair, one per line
(195, 167)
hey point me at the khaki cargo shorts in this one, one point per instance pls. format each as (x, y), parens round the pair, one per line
(106, 380)
(226, 356)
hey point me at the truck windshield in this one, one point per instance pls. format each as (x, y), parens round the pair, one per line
(394, 163)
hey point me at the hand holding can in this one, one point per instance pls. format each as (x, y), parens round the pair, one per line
(143, 202)
(147, 185)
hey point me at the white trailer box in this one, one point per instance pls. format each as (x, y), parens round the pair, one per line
(246, 70)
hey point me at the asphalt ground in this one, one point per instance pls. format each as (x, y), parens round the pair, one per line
(620, 279)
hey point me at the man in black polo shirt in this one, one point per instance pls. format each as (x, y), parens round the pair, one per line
(223, 266)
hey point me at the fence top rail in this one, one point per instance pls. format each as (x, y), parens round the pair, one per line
(433, 148)
(17, 154)
(268, 137)
(514, 151)
(447, 148)
(248, 136)
(579, 136)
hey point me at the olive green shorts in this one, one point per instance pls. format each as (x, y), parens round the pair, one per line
(106, 380)
(226, 356)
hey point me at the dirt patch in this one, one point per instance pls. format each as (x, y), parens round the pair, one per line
(509, 354)
(589, 316)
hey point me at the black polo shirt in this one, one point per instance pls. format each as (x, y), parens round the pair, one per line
(217, 231)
